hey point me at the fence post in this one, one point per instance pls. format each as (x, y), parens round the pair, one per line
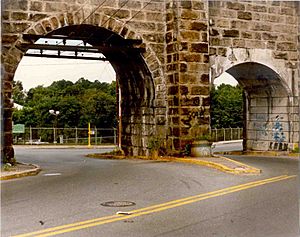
(76, 135)
(231, 134)
(95, 135)
(30, 135)
(224, 135)
(239, 133)
(216, 135)
(115, 136)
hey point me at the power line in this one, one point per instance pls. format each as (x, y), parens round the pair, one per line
(100, 5)
(62, 64)
(126, 22)
(114, 13)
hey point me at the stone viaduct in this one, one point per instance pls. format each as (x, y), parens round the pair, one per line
(165, 90)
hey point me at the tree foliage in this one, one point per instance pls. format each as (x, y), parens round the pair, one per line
(78, 103)
(227, 106)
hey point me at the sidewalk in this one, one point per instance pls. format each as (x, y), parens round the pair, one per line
(217, 162)
(19, 170)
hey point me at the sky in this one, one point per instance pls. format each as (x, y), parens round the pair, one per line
(35, 71)
(225, 78)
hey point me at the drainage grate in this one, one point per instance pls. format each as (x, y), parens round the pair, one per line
(118, 204)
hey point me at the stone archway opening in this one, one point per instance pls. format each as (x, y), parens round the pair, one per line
(134, 79)
(267, 105)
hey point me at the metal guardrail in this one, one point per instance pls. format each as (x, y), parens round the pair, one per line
(79, 136)
(226, 134)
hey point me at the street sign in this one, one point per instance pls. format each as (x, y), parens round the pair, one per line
(19, 128)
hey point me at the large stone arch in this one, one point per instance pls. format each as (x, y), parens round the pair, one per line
(270, 98)
(139, 100)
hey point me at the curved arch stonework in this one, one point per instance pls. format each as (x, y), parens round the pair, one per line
(135, 140)
(271, 107)
(186, 43)
(220, 64)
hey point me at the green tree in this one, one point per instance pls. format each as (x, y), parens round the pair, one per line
(79, 103)
(227, 106)
(18, 94)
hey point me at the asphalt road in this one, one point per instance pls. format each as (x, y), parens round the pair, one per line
(70, 189)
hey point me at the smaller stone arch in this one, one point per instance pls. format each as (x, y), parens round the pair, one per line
(239, 56)
(268, 108)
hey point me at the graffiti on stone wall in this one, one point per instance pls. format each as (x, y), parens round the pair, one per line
(271, 129)
(262, 125)
(277, 130)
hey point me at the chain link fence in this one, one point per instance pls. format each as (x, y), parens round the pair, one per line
(69, 136)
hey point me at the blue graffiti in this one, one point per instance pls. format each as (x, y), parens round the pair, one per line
(278, 134)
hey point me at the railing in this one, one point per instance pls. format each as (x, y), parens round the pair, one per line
(74, 136)
(226, 134)
(98, 136)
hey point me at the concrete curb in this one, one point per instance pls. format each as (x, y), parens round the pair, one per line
(20, 174)
(261, 153)
(246, 169)
(240, 169)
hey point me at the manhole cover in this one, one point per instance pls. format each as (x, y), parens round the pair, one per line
(118, 204)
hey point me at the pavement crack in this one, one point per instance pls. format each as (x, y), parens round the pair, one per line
(185, 183)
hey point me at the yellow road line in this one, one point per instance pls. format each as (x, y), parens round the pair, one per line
(151, 209)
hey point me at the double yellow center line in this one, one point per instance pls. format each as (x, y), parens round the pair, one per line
(151, 209)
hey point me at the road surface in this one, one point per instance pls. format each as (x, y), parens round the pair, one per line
(171, 199)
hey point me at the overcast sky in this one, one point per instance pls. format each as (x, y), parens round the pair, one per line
(34, 71)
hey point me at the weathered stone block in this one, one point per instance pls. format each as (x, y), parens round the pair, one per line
(183, 67)
(47, 26)
(186, 4)
(173, 90)
(199, 47)
(244, 15)
(213, 32)
(222, 23)
(239, 43)
(189, 14)
(286, 46)
(287, 11)
(192, 101)
(19, 16)
(190, 35)
(200, 90)
(269, 36)
(199, 26)
(261, 27)
(9, 39)
(280, 55)
(191, 57)
(56, 7)
(36, 6)
(184, 90)
(235, 6)
(231, 33)
(259, 8)
(222, 51)
(154, 16)
(198, 5)
(238, 24)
